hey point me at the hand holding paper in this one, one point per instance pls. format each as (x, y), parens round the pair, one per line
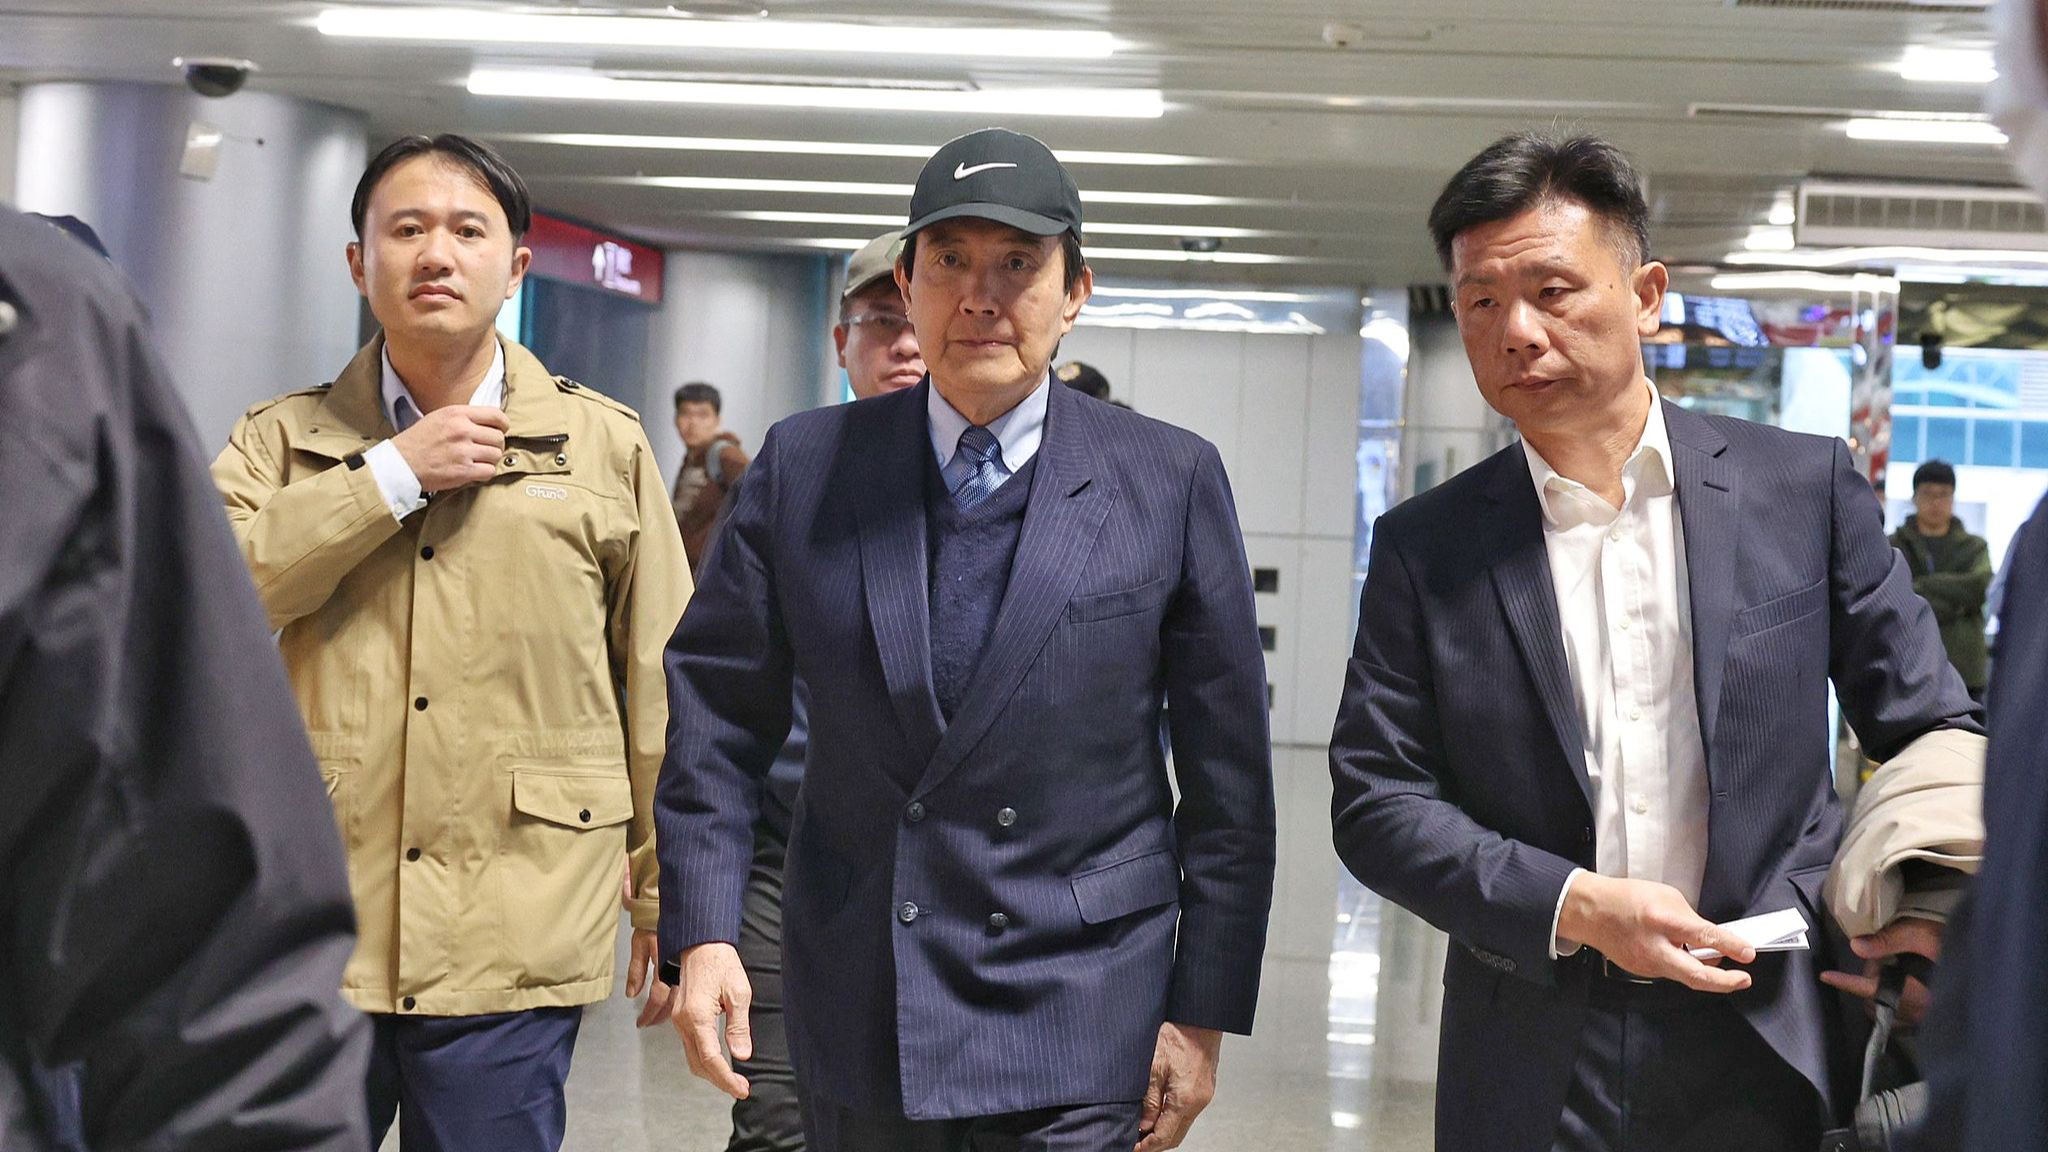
(1780, 931)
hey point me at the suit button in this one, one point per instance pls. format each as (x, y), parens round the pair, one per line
(1006, 817)
(914, 813)
(420, 704)
(412, 853)
(998, 921)
(907, 913)
(410, 1003)
(1585, 835)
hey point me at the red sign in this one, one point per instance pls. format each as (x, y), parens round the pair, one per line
(584, 256)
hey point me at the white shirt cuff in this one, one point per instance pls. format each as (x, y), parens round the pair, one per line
(395, 480)
(1560, 948)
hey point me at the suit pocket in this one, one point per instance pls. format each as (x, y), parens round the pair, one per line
(1781, 610)
(1127, 886)
(1127, 602)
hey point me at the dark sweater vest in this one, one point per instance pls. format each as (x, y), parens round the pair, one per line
(970, 554)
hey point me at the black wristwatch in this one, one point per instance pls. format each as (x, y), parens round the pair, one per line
(671, 973)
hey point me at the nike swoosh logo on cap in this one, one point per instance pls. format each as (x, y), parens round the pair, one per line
(962, 172)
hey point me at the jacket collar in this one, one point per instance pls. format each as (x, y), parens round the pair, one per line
(352, 416)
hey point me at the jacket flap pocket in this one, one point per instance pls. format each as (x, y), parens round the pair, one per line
(1129, 601)
(1127, 886)
(1781, 609)
(572, 801)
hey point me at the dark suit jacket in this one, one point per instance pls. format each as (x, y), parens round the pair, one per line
(163, 830)
(1046, 800)
(1461, 787)
(1990, 1026)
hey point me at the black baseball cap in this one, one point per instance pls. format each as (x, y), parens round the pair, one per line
(1000, 175)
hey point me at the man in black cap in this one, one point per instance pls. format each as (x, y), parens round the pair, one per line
(1000, 930)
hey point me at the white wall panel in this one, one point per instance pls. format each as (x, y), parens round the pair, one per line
(1191, 379)
(1322, 636)
(1330, 444)
(1273, 414)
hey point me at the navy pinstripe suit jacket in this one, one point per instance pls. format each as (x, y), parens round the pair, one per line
(1118, 909)
(1461, 784)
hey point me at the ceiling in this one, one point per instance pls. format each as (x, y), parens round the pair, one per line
(1328, 156)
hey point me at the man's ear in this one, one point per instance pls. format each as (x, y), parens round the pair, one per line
(522, 259)
(1084, 287)
(355, 269)
(1650, 283)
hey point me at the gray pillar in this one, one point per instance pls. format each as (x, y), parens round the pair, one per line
(10, 118)
(243, 271)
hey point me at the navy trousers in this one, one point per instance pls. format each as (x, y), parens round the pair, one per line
(1081, 1128)
(472, 1083)
(769, 1119)
(1662, 1067)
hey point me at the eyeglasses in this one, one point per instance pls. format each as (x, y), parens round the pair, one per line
(887, 325)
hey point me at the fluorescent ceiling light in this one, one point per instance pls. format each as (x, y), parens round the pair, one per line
(1159, 255)
(1783, 214)
(1258, 295)
(1802, 282)
(1948, 66)
(901, 191)
(886, 221)
(545, 84)
(1295, 325)
(1887, 254)
(822, 148)
(1769, 238)
(471, 26)
(1925, 130)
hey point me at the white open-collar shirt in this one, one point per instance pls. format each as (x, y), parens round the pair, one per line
(1625, 606)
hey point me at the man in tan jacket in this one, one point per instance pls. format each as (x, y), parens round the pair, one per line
(474, 569)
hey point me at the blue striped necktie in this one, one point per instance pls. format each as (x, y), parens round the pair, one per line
(979, 446)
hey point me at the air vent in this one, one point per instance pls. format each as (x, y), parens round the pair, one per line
(1896, 7)
(1845, 214)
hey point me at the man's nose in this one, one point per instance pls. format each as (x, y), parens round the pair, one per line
(1522, 329)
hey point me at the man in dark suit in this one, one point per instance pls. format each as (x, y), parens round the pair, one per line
(1586, 719)
(998, 924)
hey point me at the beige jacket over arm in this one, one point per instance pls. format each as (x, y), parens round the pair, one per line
(1925, 804)
(482, 683)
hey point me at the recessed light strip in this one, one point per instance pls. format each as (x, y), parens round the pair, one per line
(885, 221)
(820, 148)
(1152, 255)
(1886, 254)
(1924, 130)
(547, 84)
(898, 191)
(471, 26)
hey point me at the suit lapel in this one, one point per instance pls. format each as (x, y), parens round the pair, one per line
(1066, 510)
(1706, 506)
(1521, 576)
(893, 562)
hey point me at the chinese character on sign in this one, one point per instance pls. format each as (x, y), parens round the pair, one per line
(612, 264)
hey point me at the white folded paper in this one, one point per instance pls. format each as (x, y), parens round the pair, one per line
(1781, 931)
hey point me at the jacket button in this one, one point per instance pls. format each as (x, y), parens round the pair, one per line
(914, 813)
(907, 913)
(561, 458)
(998, 921)
(1006, 817)
(511, 460)
(410, 1003)
(420, 705)
(584, 815)
(1586, 835)
(427, 553)
(412, 853)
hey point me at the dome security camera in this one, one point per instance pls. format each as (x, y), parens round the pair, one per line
(214, 75)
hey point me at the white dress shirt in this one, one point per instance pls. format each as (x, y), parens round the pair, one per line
(1018, 433)
(395, 479)
(1626, 610)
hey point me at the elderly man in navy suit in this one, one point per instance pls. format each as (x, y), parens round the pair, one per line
(1000, 928)
(1586, 719)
